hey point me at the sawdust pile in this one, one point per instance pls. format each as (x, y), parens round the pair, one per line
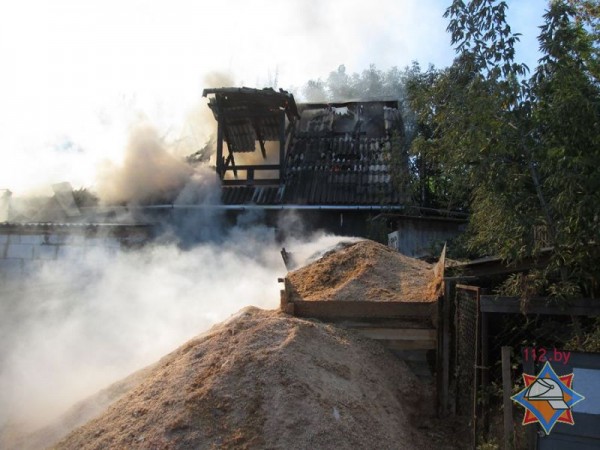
(266, 380)
(18, 438)
(364, 270)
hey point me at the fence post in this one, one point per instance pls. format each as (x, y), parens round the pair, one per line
(440, 357)
(446, 347)
(531, 435)
(485, 376)
(506, 391)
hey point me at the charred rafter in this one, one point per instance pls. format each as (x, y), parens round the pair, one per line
(245, 116)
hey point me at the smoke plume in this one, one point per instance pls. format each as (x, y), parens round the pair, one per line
(76, 326)
(148, 171)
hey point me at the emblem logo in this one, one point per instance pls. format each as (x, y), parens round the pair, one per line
(548, 398)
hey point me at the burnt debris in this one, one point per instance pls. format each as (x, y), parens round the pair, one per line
(329, 153)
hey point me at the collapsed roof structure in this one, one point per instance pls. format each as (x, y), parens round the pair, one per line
(329, 155)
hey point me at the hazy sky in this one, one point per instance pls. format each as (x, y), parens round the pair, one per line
(76, 74)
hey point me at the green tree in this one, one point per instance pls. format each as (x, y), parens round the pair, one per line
(315, 91)
(371, 84)
(521, 155)
(565, 99)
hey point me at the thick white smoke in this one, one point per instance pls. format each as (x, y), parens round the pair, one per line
(75, 327)
(148, 172)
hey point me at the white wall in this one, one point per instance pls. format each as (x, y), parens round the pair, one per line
(21, 253)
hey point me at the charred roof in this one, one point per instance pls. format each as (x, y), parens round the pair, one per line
(338, 153)
(250, 115)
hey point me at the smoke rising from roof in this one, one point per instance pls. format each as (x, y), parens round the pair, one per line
(148, 172)
(78, 75)
(153, 168)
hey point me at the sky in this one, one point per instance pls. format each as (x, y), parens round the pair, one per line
(77, 75)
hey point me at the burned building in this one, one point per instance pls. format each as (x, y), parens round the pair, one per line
(339, 167)
(333, 164)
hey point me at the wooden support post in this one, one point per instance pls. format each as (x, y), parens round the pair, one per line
(282, 300)
(220, 126)
(439, 356)
(530, 432)
(476, 368)
(287, 260)
(507, 402)
(263, 150)
(446, 348)
(485, 375)
(286, 305)
(282, 146)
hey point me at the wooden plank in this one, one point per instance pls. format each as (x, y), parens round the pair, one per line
(220, 136)
(398, 334)
(255, 167)
(405, 344)
(363, 309)
(578, 307)
(495, 266)
(410, 355)
(282, 145)
(382, 323)
(467, 287)
(438, 275)
(284, 305)
(255, 182)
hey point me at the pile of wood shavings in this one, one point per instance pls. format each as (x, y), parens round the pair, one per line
(364, 270)
(267, 380)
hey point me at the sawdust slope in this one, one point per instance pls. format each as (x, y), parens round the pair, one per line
(364, 270)
(265, 379)
(76, 416)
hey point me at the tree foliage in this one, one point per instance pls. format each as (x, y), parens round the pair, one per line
(520, 154)
(371, 84)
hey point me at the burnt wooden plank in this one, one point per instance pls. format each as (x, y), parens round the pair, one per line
(256, 167)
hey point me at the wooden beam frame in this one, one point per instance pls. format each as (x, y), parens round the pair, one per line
(577, 307)
(282, 145)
